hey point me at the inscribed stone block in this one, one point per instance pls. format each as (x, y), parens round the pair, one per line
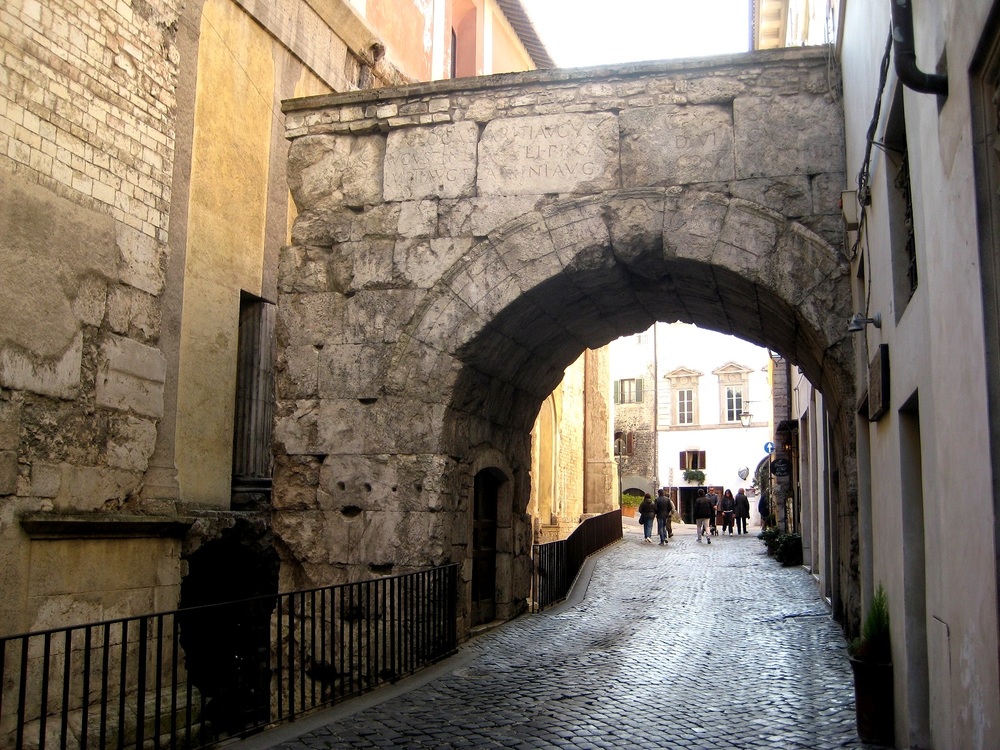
(549, 154)
(430, 162)
(676, 145)
(788, 135)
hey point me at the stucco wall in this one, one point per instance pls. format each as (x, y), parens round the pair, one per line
(944, 616)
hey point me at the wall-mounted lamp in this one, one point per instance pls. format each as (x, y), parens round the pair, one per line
(858, 322)
(746, 418)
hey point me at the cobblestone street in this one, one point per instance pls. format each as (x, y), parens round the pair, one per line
(684, 646)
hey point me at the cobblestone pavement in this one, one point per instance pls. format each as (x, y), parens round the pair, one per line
(684, 646)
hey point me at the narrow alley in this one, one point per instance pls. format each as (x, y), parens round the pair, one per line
(684, 646)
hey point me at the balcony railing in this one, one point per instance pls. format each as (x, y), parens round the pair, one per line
(194, 677)
(557, 564)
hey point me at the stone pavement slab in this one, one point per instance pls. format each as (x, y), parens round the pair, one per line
(684, 646)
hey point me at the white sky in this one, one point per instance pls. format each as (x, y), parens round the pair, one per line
(580, 33)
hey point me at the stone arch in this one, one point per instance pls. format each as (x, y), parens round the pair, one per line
(500, 326)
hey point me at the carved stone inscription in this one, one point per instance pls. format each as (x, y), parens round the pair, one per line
(787, 135)
(676, 145)
(549, 154)
(432, 162)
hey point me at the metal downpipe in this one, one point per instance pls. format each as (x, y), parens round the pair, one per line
(905, 54)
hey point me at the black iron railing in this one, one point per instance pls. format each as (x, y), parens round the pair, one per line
(194, 677)
(556, 564)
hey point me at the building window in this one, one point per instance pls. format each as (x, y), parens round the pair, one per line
(900, 203)
(685, 406)
(254, 399)
(628, 391)
(624, 443)
(692, 460)
(734, 403)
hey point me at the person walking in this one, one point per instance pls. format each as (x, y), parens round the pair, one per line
(664, 508)
(647, 512)
(715, 520)
(764, 508)
(703, 511)
(742, 511)
(728, 507)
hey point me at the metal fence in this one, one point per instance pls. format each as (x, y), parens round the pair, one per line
(193, 677)
(556, 564)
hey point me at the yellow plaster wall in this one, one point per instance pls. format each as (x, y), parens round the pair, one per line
(225, 243)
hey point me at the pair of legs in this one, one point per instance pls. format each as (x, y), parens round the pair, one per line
(647, 529)
(741, 525)
(703, 529)
(727, 522)
(662, 528)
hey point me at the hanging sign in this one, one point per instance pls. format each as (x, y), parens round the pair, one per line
(781, 467)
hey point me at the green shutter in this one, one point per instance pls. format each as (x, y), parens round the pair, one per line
(638, 390)
(617, 389)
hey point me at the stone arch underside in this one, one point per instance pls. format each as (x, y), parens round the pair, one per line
(495, 334)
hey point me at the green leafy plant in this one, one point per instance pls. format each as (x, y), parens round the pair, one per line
(769, 537)
(788, 550)
(873, 644)
(694, 475)
(631, 501)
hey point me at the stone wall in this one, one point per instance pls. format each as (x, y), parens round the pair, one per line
(86, 149)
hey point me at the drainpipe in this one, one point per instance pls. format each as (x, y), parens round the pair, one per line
(905, 53)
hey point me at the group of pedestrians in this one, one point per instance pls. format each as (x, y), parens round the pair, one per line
(661, 510)
(734, 511)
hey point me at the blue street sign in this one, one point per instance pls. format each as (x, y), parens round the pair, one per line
(768, 447)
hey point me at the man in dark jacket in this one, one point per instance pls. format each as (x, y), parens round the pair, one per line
(742, 511)
(703, 510)
(663, 510)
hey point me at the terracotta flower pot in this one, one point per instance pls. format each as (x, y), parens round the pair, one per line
(628, 510)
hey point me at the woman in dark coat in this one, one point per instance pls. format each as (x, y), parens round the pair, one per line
(647, 512)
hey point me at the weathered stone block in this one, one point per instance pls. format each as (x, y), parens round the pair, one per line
(790, 196)
(296, 428)
(297, 373)
(89, 303)
(808, 140)
(326, 170)
(10, 425)
(417, 219)
(130, 443)
(131, 376)
(133, 313)
(676, 145)
(379, 315)
(141, 260)
(310, 319)
(478, 217)
(352, 370)
(46, 479)
(431, 162)
(420, 263)
(549, 154)
(96, 488)
(59, 378)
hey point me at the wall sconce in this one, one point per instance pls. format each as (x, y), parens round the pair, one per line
(858, 322)
(746, 418)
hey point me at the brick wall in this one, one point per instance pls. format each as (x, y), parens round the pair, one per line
(86, 102)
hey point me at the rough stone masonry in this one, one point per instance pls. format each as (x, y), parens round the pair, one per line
(459, 243)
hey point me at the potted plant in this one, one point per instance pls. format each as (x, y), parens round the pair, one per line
(871, 661)
(629, 504)
(697, 476)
